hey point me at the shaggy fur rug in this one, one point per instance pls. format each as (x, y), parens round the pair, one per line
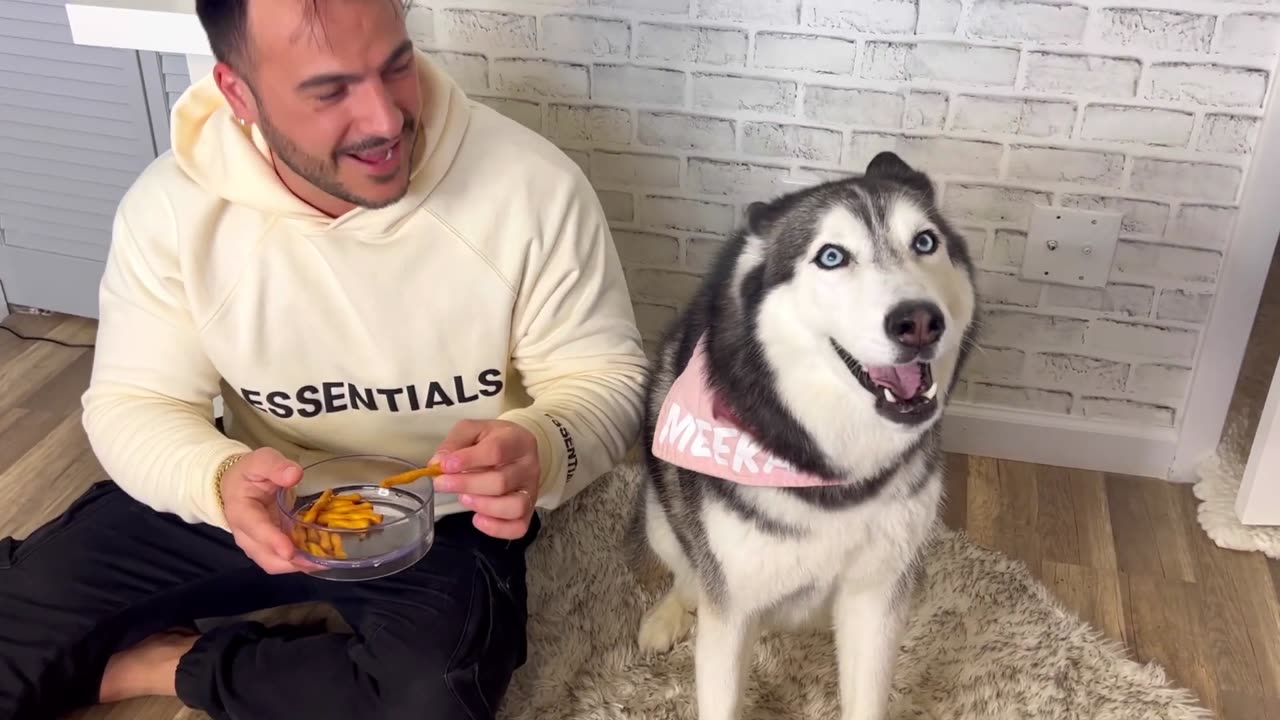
(986, 640)
(1217, 487)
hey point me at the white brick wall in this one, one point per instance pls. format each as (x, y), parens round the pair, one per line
(1155, 29)
(678, 131)
(1128, 123)
(1050, 23)
(1207, 84)
(1079, 372)
(1115, 299)
(1228, 134)
(1081, 74)
(792, 51)
(1014, 116)
(691, 44)
(683, 111)
(582, 34)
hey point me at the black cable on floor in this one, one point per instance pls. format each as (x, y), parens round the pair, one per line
(19, 335)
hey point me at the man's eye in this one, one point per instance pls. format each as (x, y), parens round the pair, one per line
(333, 94)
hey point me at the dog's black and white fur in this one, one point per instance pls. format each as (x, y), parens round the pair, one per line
(818, 289)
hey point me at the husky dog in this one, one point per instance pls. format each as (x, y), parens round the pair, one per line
(791, 431)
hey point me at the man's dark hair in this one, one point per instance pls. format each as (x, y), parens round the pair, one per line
(226, 22)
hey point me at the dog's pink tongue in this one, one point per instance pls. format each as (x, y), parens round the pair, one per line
(903, 380)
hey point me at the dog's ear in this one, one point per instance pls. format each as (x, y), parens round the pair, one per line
(758, 214)
(887, 165)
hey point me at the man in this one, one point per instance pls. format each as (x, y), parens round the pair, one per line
(359, 261)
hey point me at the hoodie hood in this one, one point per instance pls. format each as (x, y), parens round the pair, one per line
(233, 162)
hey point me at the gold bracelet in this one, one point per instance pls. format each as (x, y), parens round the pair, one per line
(223, 467)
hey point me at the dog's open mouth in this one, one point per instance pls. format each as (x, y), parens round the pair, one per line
(905, 393)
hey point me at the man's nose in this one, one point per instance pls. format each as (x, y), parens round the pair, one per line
(379, 115)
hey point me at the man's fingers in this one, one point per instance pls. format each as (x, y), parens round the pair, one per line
(488, 453)
(301, 563)
(504, 529)
(491, 482)
(480, 446)
(491, 451)
(464, 433)
(512, 506)
(269, 466)
(257, 526)
(270, 561)
(264, 558)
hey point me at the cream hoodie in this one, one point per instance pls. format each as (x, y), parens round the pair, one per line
(495, 280)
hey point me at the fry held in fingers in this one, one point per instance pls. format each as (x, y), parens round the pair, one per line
(404, 478)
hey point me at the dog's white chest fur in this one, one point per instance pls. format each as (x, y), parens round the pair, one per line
(791, 581)
(784, 564)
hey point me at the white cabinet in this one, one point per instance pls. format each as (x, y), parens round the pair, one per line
(77, 124)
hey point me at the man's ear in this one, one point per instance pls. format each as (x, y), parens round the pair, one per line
(237, 92)
(887, 165)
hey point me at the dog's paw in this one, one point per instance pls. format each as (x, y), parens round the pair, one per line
(664, 625)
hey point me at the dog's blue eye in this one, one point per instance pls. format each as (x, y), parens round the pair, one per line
(832, 256)
(924, 243)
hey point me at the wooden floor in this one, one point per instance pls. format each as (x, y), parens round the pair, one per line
(1125, 553)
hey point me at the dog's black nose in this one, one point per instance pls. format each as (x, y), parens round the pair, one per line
(915, 324)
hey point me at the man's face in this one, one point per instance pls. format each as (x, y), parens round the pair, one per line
(334, 90)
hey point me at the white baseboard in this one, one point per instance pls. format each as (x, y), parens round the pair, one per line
(1059, 441)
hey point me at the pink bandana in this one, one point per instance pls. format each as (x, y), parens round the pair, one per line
(697, 432)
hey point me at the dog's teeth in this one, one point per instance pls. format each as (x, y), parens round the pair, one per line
(933, 390)
(888, 395)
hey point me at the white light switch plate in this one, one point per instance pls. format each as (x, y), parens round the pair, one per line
(1070, 247)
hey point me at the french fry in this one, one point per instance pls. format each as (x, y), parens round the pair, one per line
(314, 510)
(432, 470)
(334, 520)
(355, 524)
(347, 505)
(347, 511)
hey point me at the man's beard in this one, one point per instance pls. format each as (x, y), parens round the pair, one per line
(323, 172)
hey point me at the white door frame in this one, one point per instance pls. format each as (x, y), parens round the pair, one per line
(1239, 290)
(1258, 502)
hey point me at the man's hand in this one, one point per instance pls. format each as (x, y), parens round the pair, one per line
(249, 501)
(493, 466)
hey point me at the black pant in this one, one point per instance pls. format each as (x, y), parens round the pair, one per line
(439, 640)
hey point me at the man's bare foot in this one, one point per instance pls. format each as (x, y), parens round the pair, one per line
(148, 668)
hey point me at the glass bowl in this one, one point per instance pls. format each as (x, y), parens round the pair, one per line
(365, 530)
